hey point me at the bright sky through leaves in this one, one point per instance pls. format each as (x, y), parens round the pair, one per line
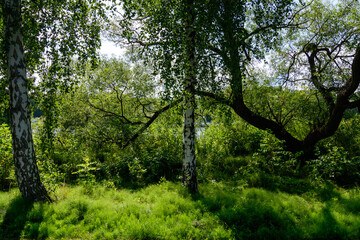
(109, 48)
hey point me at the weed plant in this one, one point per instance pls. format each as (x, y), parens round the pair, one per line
(167, 211)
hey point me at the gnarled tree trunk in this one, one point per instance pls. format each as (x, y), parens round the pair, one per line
(26, 169)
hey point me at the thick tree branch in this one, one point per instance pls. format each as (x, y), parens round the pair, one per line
(342, 103)
(150, 121)
(315, 78)
(214, 96)
(122, 118)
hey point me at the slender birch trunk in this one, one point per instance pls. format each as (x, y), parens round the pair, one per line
(189, 162)
(26, 170)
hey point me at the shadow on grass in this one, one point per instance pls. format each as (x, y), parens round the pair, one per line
(328, 228)
(15, 219)
(262, 214)
(276, 183)
(252, 216)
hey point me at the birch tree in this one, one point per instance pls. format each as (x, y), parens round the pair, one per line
(26, 170)
(40, 35)
(189, 159)
(164, 33)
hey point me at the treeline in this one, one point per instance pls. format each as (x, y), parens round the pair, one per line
(93, 141)
(273, 83)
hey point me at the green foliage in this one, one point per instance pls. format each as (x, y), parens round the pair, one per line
(68, 30)
(50, 174)
(7, 177)
(228, 148)
(337, 166)
(113, 103)
(224, 142)
(347, 136)
(160, 28)
(153, 156)
(137, 170)
(273, 168)
(85, 172)
(272, 157)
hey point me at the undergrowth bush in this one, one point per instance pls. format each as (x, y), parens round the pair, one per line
(156, 155)
(336, 165)
(347, 136)
(223, 147)
(272, 158)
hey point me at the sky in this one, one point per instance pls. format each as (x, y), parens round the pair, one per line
(110, 49)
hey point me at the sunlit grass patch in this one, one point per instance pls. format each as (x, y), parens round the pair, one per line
(167, 211)
(156, 212)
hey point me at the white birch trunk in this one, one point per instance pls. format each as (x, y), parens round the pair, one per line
(26, 169)
(189, 161)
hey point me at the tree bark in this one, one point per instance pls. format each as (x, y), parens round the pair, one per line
(26, 170)
(189, 162)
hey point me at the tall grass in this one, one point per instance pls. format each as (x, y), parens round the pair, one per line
(167, 211)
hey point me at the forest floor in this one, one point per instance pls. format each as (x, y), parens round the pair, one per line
(167, 211)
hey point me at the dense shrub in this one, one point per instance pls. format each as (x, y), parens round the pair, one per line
(57, 164)
(336, 165)
(273, 158)
(347, 137)
(81, 154)
(223, 146)
(155, 155)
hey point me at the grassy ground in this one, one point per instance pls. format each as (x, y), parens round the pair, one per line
(166, 211)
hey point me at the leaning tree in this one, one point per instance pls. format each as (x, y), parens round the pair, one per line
(316, 50)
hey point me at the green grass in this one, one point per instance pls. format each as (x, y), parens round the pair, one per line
(167, 211)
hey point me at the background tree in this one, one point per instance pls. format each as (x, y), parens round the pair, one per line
(116, 102)
(115, 122)
(207, 41)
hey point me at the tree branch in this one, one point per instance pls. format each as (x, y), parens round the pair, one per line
(214, 96)
(150, 121)
(122, 118)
